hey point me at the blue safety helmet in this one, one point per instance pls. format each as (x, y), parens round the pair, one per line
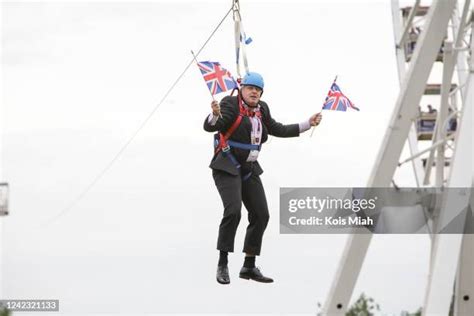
(253, 79)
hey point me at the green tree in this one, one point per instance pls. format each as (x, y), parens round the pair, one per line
(417, 313)
(4, 312)
(364, 306)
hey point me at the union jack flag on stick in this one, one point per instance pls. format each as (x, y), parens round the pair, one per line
(336, 100)
(218, 79)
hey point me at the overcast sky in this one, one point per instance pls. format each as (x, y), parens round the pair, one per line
(79, 78)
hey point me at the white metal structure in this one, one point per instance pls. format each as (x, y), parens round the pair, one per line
(3, 196)
(452, 255)
(3, 212)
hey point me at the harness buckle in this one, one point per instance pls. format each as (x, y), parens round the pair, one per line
(226, 148)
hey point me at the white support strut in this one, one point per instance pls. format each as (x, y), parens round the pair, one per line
(405, 111)
(449, 253)
(400, 53)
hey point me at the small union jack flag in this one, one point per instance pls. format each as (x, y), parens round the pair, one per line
(217, 78)
(337, 101)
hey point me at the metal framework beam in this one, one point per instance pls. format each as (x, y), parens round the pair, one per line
(405, 110)
(429, 149)
(400, 53)
(459, 24)
(464, 297)
(401, 41)
(448, 70)
(411, 92)
(448, 253)
(447, 248)
(459, 29)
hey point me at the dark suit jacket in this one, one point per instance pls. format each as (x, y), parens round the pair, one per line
(230, 111)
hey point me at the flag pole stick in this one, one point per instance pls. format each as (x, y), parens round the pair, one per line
(314, 127)
(212, 96)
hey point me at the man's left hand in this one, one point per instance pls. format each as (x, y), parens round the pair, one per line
(315, 119)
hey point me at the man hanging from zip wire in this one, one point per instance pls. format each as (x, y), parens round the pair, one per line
(243, 123)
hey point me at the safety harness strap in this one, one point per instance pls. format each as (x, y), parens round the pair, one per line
(224, 144)
(243, 146)
(239, 38)
(224, 141)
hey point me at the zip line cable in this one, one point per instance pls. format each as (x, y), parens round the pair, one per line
(124, 147)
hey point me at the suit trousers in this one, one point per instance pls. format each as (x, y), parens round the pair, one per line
(233, 191)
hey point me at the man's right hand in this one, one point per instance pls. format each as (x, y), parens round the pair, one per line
(216, 109)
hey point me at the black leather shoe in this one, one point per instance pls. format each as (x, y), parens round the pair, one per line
(254, 274)
(222, 275)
